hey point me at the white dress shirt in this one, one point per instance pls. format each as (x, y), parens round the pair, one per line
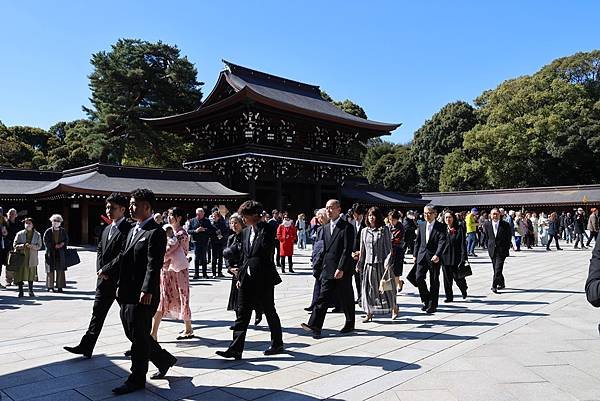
(333, 223)
(495, 227)
(114, 227)
(428, 231)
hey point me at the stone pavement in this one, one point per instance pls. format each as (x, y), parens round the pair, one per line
(538, 340)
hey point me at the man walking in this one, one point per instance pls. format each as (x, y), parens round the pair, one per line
(471, 226)
(138, 291)
(499, 242)
(200, 230)
(429, 245)
(593, 225)
(256, 282)
(336, 266)
(108, 259)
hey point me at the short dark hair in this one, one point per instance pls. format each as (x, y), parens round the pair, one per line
(118, 199)
(178, 212)
(28, 219)
(375, 211)
(250, 208)
(394, 214)
(358, 209)
(144, 194)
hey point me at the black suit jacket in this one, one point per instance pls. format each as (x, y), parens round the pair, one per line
(258, 258)
(435, 246)
(356, 246)
(141, 262)
(337, 250)
(455, 251)
(108, 257)
(498, 245)
(592, 285)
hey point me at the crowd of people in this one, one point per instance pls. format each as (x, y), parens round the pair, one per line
(357, 257)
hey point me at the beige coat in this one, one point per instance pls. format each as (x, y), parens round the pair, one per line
(36, 244)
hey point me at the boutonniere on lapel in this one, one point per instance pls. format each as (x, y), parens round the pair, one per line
(142, 239)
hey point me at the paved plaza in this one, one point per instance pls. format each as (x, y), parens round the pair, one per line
(537, 340)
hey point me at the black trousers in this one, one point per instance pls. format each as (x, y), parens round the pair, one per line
(498, 265)
(277, 257)
(200, 251)
(593, 235)
(330, 290)
(578, 238)
(103, 300)
(550, 237)
(217, 259)
(450, 274)
(137, 322)
(254, 297)
(429, 296)
(357, 281)
(290, 264)
(335, 303)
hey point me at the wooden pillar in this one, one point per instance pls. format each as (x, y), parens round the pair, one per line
(252, 188)
(318, 201)
(85, 234)
(65, 213)
(279, 194)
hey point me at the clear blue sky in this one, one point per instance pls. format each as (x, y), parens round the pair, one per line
(400, 60)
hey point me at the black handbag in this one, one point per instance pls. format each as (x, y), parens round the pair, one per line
(71, 257)
(16, 259)
(464, 269)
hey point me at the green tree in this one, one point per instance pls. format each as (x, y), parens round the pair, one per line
(390, 166)
(138, 79)
(439, 136)
(23, 147)
(346, 105)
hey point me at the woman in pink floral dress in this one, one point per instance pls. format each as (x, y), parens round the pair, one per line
(174, 277)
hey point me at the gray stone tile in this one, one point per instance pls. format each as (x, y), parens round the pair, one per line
(68, 395)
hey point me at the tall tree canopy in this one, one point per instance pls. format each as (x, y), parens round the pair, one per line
(438, 137)
(139, 79)
(536, 130)
(24, 147)
(346, 105)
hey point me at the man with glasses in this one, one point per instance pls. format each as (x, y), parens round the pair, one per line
(429, 245)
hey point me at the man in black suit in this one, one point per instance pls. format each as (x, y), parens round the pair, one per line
(110, 245)
(138, 291)
(429, 245)
(358, 222)
(336, 266)
(256, 282)
(200, 230)
(499, 236)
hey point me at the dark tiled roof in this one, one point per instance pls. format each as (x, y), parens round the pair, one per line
(276, 92)
(104, 179)
(375, 196)
(543, 196)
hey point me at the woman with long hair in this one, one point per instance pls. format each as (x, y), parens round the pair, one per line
(174, 277)
(375, 247)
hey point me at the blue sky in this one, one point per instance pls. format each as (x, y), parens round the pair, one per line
(400, 60)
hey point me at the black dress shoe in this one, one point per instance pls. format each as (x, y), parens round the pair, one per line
(196, 278)
(424, 307)
(464, 294)
(494, 290)
(309, 309)
(163, 371)
(348, 328)
(337, 310)
(79, 350)
(431, 310)
(127, 388)
(232, 327)
(229, 354)
(128, 353)
(274, 350)
(447, 301)
(501, 287)
(309, 329)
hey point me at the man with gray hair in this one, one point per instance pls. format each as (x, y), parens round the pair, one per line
(200, 230)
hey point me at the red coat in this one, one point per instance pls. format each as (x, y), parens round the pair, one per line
(286, 236)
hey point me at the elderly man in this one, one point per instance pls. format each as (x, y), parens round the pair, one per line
(200, 229)
(429, 245)
(499, 237)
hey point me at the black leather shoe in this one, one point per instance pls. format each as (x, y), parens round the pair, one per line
(464, 294)
(501, 287)
(447, 301)
(196, 278)
(337, 310)
(348, 328)
(494, 290)
(79, 351)
(431, 310)
(128, 353)
(424, 307)
(127, 388)
(309, 329)
(229, 354)
(309, 309)
(163, 372)
(274, 350)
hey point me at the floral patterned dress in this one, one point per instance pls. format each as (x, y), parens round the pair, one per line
(175, 285)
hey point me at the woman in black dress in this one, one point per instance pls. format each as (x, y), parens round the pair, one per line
(454, 254)
(232, 256)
